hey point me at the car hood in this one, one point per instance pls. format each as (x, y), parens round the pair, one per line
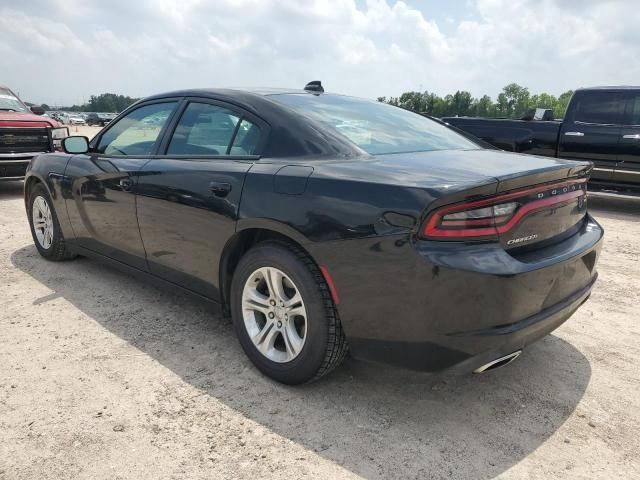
(447, 169)
(25, 119)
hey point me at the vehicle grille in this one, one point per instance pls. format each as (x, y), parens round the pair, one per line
(12, 169)
(23, 140)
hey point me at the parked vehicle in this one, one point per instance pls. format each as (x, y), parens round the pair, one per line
(100, 119)
(24, 133)
(57, 116)
(601, 125)
(63, 118)
(76, 120)
(320, 221)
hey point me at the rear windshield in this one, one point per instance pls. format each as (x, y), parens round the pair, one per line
(376, 127)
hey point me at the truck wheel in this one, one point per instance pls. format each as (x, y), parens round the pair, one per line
(284, 316)
(45, 228)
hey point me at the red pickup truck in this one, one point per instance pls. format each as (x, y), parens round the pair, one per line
(24, 133)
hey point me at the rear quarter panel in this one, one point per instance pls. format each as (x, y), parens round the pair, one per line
(339, 202)
(361, 229)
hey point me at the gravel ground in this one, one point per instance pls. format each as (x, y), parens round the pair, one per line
(103, 376)
(85, 130)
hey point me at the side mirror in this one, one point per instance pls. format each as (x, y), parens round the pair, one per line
(37, 110)
(75, 145)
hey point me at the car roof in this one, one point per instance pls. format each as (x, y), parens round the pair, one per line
(237, 93)
(609, 88)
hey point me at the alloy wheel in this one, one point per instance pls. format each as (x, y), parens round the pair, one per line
(274, 314)
(42, 222)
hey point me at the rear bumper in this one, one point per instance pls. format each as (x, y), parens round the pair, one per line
(464, 352)
(434, 305)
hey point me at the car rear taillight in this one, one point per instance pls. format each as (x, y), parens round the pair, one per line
(489, 217)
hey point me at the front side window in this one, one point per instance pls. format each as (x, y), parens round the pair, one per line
(9, 102)
(206, 129)
(137, 132)
(376, 127)
(601, 108)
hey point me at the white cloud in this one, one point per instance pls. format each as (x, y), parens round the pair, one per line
(65, 50)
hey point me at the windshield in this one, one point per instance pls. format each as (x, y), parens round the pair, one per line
(376, 127)
(9, 102)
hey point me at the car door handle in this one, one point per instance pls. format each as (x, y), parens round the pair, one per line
(126, 184)
(574, 134)
(220, 189)
(632, 137)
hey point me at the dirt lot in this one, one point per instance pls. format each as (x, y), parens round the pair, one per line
(102, 376)
(85, 130)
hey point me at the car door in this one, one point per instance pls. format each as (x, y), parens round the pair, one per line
(102, 206)
(628, 165)
(188, 198)
(592, 131)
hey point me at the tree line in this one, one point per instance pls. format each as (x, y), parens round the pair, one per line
(512, 102)
(105, 102)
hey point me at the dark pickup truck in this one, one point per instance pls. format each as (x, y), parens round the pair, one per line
(601, 125)
(99, 119)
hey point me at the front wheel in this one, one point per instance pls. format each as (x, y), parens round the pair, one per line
(283, 314)
(45, 228)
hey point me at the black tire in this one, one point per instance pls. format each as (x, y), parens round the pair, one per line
(325, 346)
(57, 251)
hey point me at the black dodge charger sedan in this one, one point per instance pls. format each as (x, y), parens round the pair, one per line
(324, 223)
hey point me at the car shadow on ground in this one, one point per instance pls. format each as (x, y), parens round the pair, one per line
(9, 190)
(411, 425)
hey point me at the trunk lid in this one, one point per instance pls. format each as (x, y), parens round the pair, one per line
(443, 167)
(556, 204)
(549, 214)
(550, 200)
(550, 193)
(555, 200)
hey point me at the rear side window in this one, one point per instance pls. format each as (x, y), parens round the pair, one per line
(246, 141)
(206, 129)
(137, 132)
(602, 108)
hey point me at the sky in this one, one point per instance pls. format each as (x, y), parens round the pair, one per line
(63, 51)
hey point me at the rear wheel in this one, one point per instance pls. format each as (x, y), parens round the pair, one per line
(45, 228)
(284, 316)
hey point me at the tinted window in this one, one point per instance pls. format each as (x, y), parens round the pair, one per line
(376, 127)
(137, 132)
(601, 108)
(246, 141)
(206, 129)
(634, 111)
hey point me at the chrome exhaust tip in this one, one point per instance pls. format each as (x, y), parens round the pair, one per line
(498, 362)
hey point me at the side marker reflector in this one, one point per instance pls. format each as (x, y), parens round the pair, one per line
(330, 284)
